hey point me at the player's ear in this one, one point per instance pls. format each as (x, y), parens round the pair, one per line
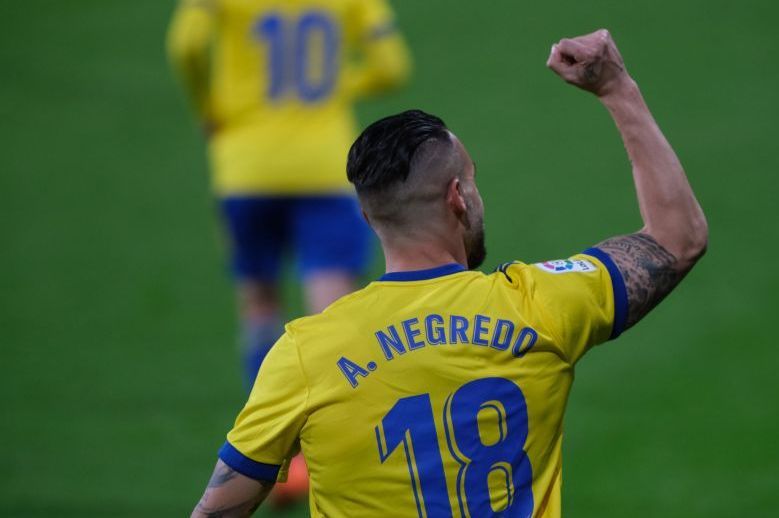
(454, 197)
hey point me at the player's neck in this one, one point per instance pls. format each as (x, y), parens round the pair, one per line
(421, 256)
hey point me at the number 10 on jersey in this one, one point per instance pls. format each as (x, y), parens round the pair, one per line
(487, 460)
(294, 45)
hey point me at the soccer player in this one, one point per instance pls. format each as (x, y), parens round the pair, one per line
(438, 391)
(273, 83)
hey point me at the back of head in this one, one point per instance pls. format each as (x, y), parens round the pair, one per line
(400, 166)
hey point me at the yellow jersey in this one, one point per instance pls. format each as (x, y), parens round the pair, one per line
(433, 393)
(277, 79)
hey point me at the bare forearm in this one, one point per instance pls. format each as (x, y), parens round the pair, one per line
(671, 214)
(655, 259)
(230, 494)
(243, 510)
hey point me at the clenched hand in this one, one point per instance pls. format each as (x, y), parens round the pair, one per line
(591, 62)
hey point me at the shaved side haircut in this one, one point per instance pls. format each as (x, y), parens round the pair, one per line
(400, 166)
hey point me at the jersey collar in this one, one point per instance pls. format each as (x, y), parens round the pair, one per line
(421, 275)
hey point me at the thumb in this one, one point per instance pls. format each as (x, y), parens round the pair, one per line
(561, 64)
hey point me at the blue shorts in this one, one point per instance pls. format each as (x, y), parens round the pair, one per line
(324, 233)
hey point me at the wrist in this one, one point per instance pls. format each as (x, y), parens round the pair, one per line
(622, 89)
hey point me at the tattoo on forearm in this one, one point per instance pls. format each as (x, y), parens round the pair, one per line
(228, 494)
(240, 510)
(222, 474)
(650, 271)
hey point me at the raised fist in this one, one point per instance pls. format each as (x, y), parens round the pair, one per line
(591, 62)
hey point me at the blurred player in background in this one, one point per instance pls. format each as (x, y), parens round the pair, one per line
(441, 392)
(273, 83)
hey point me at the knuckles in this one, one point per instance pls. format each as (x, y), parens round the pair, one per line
(592, 52)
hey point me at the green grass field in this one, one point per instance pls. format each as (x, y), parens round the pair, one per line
(119, 374)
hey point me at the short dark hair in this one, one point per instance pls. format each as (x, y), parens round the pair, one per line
(382, 155)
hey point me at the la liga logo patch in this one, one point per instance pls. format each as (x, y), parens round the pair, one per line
(567, 266)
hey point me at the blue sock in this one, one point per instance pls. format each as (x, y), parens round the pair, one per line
(257, 338)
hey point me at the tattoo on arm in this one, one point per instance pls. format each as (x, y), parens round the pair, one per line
(221, 475)
(230, 494)
(241, 510)
(650, 271)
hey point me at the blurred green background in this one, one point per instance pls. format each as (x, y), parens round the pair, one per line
(119, 373)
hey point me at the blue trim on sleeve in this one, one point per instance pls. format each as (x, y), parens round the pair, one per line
(421, 275)
(246, 466)
(620, 292)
